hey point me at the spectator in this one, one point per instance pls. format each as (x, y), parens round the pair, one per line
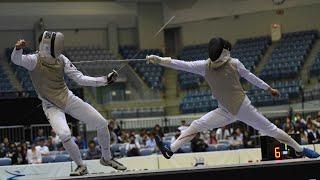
(299, 124)
(142, 136)
(43, 149)
(287, 125)
(116, 127)
(50, 145)
(198, 144)
(34, 155)
(303, 136)
(223, 133)
(113, 135)
(81, 142)
(313, 134)
(93, 152)
(39, 136)
(277, 122)
(151, 142)
(236, 140)
(212, 138)
(247, 141)
(133, 147)
(13, 153)
(55, 138)
(21, 155)
(2, 151)
(5, 146)
(158, 131)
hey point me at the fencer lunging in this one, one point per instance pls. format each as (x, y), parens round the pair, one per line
(222, 73)
(47, 68)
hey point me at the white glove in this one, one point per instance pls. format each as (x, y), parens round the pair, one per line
(157, 59)
(112, 77)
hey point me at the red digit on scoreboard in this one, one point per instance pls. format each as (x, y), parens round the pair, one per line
(277, 153)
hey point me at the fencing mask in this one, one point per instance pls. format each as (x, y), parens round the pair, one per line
(216, 46)
(52, 44)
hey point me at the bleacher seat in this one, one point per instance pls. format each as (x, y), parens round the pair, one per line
(198, 101)
(192, 53)
(146, 151)
(289, 55)
(62, 158)
(222, 147)
(315, 68)
(137, 112)
(151, 74)
(249, 51)
(5, 161)
(211, 148)
(47, 159)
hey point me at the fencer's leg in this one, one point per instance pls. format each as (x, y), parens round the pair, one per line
(251, 116)
(84, 112)
(214, 119)
(59, 124)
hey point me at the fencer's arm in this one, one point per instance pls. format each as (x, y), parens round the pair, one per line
(195, 67)
(27, 61)
(253, 79)
(81, 79)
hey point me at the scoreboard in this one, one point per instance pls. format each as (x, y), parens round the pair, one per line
(271, 149)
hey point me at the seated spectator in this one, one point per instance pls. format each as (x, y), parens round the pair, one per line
(93, 152)
(43, 149)
(21, 155)
(277, 122)
(34, 155)
(39, 136)
(50, 145)
(313, 134)
(223, 133)
(116, 127)
(287, 125)
(142, 137)
(133, 147)
(55, 138)
(81, 142)
(299, 123)
(212, 138)
(13, 153)
(4, 147)
(247, 140)
(303, 136)
(151, 142)
(236, 140)
(158, 131)
(198, 144)
(113, 135)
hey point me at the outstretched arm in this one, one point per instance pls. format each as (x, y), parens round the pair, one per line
(83, 80)
(27, 61)
(253, 79)
(195, 67)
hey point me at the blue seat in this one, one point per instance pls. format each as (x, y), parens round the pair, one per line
(146, 152)
(5, 161)
(47, 159)
(186, 149)
(62, 158)
(211, 148)
(222, 147)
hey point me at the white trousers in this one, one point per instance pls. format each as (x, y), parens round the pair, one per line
(76, 108)
(247, 114)
(221, 117)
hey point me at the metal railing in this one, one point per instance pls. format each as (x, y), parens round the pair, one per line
(13, 133)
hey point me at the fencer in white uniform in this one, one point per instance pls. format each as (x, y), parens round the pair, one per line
(223, 73)
(47, 68)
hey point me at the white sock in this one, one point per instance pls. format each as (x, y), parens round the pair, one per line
(286, 139)
(73, 150)
(186, 135)
(104, 141)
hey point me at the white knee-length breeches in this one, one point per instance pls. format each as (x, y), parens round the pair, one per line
(247, 114)
(78, 109)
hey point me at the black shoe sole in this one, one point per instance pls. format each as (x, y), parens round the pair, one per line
(161, 147)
